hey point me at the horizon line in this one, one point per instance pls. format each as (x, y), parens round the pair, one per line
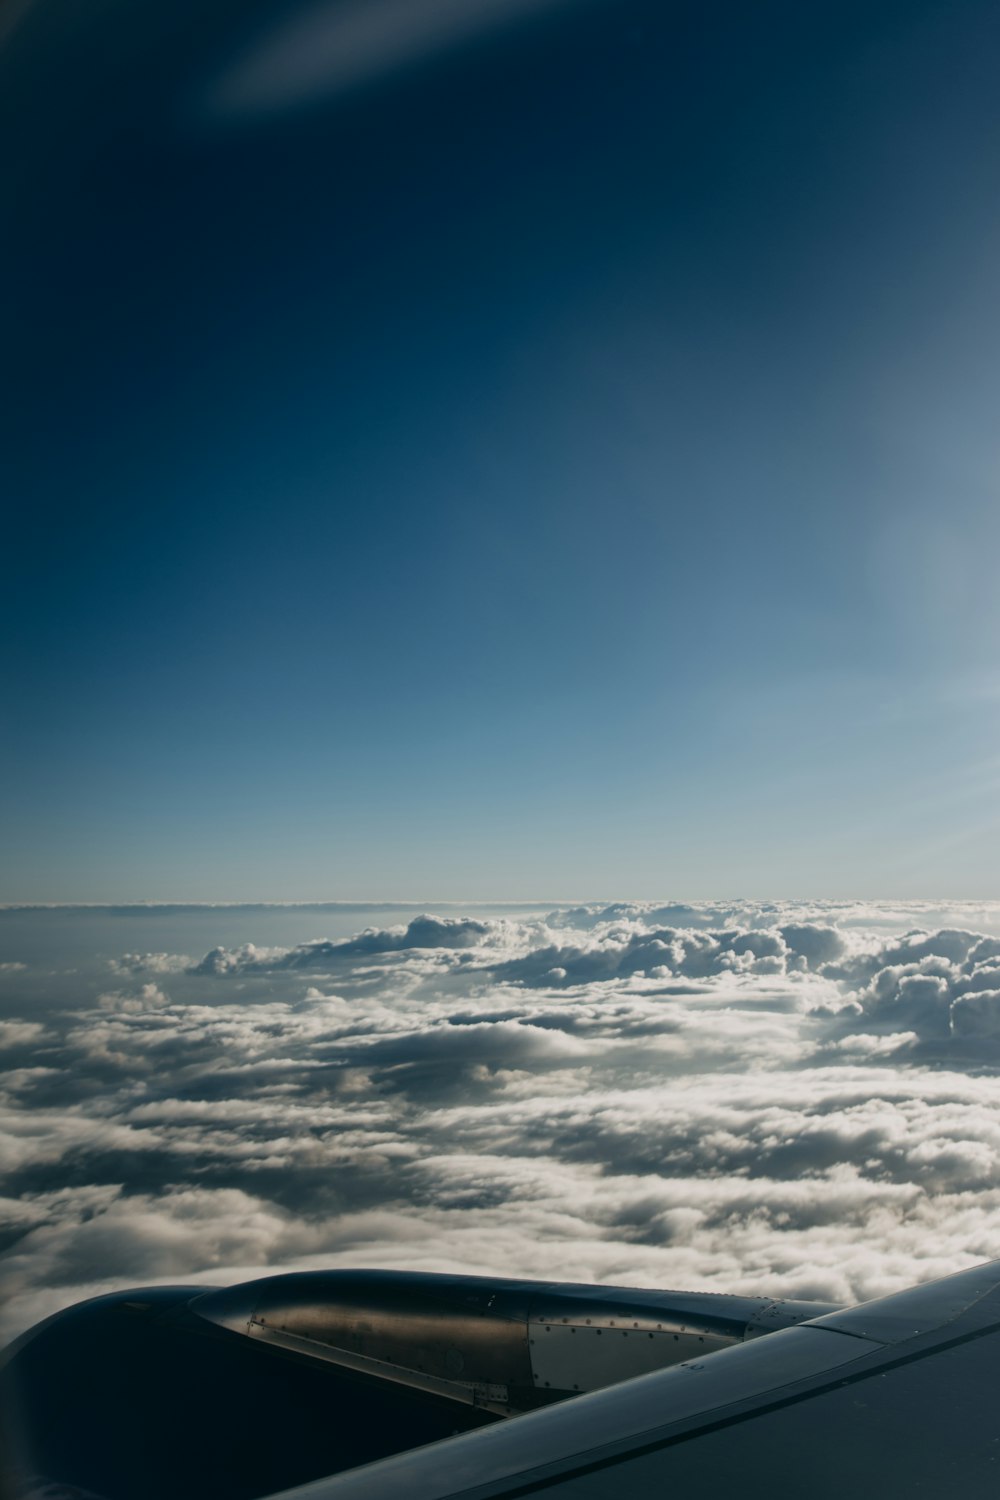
(408, 903)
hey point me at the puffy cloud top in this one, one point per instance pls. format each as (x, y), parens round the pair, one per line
(422, 932)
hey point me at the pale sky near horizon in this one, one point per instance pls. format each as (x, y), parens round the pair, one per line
(557, 463)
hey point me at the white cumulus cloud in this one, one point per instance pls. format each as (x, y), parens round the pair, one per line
(799, 1098)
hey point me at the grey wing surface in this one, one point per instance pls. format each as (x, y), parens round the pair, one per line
(894, 1397)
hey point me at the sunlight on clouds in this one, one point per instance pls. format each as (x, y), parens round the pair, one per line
(795, 1098)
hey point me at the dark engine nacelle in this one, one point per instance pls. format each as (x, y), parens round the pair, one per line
(503, 1346)
(234, 1393)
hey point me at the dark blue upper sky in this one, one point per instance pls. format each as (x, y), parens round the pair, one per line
(553, 458)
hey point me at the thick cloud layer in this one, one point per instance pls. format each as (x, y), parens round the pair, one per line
(798, 1098)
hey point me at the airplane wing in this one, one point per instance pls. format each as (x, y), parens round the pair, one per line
(896, 1397)
(242, 1392)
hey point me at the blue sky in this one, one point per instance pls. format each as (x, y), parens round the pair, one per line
(562, 465)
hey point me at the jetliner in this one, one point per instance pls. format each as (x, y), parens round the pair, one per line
(366, 1385)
